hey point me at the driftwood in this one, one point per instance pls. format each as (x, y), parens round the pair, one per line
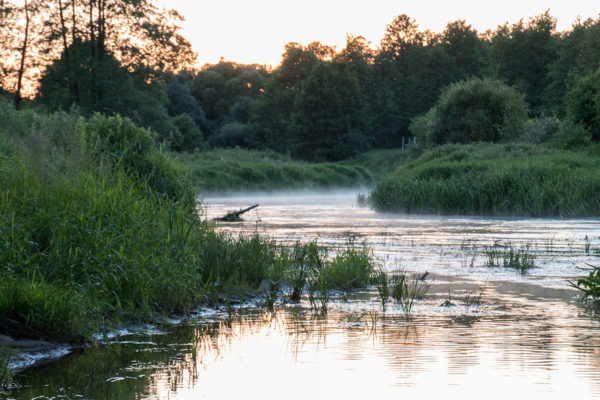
(235, 215)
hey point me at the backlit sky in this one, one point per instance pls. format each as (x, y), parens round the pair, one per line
(256, 31)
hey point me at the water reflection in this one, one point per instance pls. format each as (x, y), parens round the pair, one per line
(296, 354)
(525, 338)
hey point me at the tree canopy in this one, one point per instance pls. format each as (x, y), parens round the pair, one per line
(320, 103)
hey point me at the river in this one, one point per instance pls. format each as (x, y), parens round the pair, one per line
(501, 334)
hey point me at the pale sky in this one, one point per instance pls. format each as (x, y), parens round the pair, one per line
(256, 31)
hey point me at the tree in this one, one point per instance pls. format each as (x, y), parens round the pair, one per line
(473, 110)
(522, 54)
(401, 34)
(271, 121)
(583, 103)
(464, 46)
(19, 34)
(328, 115)
(578, 54)
(181, 100)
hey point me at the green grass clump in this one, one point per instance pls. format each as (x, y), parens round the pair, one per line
(308, 267)
(351, 268)
(488, 179)
(238, 169)
(301, 263)
(399, 287)
(521, 259)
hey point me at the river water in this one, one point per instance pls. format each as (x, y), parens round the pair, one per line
(503, 334)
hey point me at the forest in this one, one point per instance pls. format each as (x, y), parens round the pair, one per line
(128, 58)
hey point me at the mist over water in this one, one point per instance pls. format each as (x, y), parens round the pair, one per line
(449, 245)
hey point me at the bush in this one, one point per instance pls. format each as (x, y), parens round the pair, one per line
(540, 130)
(583, 103)
(122, 145)
(571, 135)
(471, 111)
(233, 134)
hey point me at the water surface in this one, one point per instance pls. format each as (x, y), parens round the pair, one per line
(505, 334)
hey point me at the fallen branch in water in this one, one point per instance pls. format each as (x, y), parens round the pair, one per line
(235, 215)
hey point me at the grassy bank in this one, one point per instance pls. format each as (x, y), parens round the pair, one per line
(99, 228)
(238, 169)
(495, 179)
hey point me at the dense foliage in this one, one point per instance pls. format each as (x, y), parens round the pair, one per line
(318, 104)
(99, 227)
(472, 111)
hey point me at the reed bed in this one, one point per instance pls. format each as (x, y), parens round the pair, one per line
(523, 180)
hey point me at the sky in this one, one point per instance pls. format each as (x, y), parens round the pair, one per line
(256, 31)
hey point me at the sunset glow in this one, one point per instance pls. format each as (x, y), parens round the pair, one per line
(257, 31)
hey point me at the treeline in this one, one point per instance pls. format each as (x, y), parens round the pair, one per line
(319, 104)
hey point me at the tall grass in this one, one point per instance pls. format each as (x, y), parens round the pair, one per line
(520, 258)
(238, 169)
(524, 180)
(5, 373)
(400, 287)
(98, 227)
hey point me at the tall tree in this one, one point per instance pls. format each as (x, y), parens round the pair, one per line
(329, 118)
(7, 33)
(402, 33)
(462, 43)
(522, 54)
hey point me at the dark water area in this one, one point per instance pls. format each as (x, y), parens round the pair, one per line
(503, 335)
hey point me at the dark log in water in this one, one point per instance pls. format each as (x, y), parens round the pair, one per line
(235, 215)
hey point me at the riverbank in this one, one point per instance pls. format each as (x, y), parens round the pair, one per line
(511, 179)
(231, 170)
(100, 229)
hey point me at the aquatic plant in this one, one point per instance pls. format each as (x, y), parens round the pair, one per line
(473, 299)
(318, 294)
(505, 255)
(400, 287)
(406, 291)
(383, 288)
(589, 285)
(304, 261)
(351, 268)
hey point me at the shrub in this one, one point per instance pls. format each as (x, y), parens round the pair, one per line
(473, 110)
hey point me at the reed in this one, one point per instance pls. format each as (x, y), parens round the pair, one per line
(511, 179)
(400, 287)
(520, 258)
(6, 376)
